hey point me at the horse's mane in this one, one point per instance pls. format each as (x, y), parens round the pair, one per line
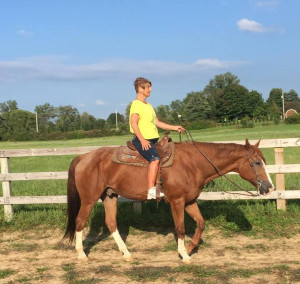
(229, 148)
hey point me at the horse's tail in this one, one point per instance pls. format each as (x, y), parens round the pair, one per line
(73, 201)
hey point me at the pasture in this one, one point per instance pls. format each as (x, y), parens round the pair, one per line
(244, 241)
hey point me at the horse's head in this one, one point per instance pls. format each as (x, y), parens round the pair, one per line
(253, 169)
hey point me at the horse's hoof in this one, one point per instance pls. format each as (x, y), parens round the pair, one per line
(83, 258)
(186, 261)
(127, 258)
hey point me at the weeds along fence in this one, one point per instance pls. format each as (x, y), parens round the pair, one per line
(6, 177)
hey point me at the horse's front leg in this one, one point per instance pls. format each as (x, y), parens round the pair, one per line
(110, 206)
(194, 212)
(177, 207)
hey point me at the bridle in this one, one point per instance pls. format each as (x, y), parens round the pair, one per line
(251, 162)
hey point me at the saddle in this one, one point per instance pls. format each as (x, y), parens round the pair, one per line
(130, 156)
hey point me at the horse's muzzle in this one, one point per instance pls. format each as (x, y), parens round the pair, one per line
(265, 188)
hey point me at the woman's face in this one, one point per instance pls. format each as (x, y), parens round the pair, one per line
(146, 90)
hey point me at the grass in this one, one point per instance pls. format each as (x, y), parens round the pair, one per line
(6, 273)
(210, 274)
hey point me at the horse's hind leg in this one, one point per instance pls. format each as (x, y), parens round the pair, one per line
(81, 219)
(177, 207)
(110, 206)
(194, 212)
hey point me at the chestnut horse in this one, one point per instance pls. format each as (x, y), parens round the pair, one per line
(91, 174)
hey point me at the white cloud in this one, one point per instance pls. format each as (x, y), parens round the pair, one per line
(55, 68)
(255, 27)
(25, 33)
(81, 105)
(250, 26)
(100, 103)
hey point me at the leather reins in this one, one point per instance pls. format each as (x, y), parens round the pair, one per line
(249, 193)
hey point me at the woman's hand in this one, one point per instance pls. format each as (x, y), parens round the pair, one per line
(145, 144)
(179, 128)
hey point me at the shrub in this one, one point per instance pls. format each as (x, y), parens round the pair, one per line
(293, 119)
(246, 123)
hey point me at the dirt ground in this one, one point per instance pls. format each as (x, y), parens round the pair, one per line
(36, 257)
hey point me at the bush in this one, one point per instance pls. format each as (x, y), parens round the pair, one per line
(293, 119)
(246, 123)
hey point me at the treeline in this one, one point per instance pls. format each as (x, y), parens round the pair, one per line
(54, 123)
(223, 101)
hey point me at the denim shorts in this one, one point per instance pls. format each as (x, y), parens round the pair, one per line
(151, 154)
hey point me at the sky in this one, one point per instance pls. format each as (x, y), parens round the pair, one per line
(88, 53)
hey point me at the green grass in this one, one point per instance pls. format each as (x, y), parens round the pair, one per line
(6, 273)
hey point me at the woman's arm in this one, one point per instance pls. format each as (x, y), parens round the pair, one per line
(134, 120)
(167, 126)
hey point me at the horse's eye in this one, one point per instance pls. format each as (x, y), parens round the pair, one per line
(258, 163)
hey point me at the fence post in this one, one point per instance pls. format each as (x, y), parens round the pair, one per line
(137, 207)
(280, 185)
(6, 189)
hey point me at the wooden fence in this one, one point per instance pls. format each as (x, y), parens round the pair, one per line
(6, 177)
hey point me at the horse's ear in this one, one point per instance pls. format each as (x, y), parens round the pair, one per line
(257, 144)
(248, 145)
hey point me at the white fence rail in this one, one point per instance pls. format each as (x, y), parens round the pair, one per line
(6, 177)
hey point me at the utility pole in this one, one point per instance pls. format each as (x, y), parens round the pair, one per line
(36, 122)
(117, 120)
(283, 112)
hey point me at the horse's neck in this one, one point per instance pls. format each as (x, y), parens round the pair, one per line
(224, 158)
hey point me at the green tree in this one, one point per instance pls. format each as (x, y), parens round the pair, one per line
(234, 103)
(163, 113)
(215, 89)
(47, 115)
(17, 124)
(276, 97)
(176, 110)
(195, 107)
(111, 120)
(256, 105)
(291, 96)
(68, 118)
(8, 106)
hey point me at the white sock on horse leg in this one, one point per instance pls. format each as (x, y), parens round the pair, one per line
(79, 245)
(182, 250)
(121, 245)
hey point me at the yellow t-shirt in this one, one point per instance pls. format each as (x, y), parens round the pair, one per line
(146, 122)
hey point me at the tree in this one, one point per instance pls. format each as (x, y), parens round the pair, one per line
(68, 118)
(234, 103)
(176, 110)
(17, 124)
(111, 120)
(275, 96)
(163, 113)
(8, 106)
(195, 107)
(291, 96)
(256, 104)
(127, 111)
(47, 115)
(215, 88)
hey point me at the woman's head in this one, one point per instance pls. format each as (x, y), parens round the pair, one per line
(142, 83)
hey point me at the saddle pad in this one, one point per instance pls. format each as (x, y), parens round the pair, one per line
(126, 156)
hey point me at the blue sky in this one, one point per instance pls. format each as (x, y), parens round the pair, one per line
(88, 53)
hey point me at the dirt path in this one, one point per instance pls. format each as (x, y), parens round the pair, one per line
(36, 257)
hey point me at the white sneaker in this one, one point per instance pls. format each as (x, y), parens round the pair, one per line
(151, 193)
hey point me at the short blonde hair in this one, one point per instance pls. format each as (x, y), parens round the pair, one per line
(141, 82)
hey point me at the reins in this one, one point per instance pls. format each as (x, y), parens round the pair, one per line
(249, 193)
